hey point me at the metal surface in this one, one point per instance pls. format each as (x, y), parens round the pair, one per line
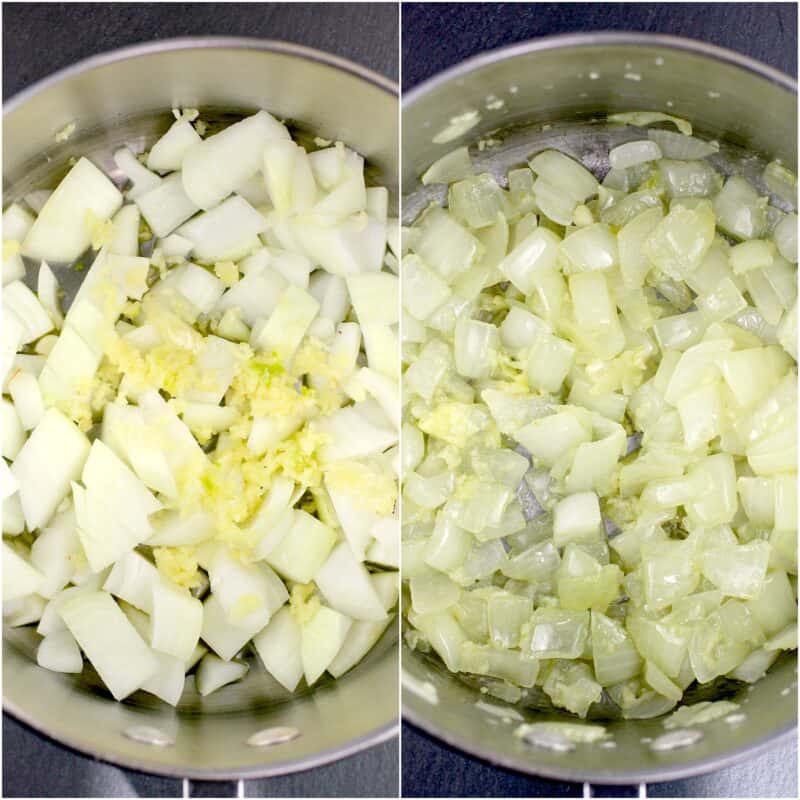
(134, 88)
(124, 97)
(556, 92)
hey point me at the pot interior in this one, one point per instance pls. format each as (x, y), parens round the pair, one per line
(557, 94)
(126, 100)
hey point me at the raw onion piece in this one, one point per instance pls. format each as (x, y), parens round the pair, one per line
(27, 396)
(21, 304)
(360, 639)
(167, 682)
(17, 221)
(142, 179)
(60, 232)
(249, 593)
(214, 167)
(225, 638)
(41, 492)
(167, 153)
(213, 673)
(278, 646)
(226, 233)
(24, 610)
(320, 640)
(13, 432)
(133, 579)
(346, 586)
(166, 206)
(57, 553)
(120, 656)
(19, 577)
(114, 508)
(60, 652)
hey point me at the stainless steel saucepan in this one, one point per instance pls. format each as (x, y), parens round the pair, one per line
(556, 92)
(254, 728)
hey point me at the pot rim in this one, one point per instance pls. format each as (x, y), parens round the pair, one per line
(353, 747)
(599, 39)
(566, 773)
(144, 49)
(409, 99)
(180, 43)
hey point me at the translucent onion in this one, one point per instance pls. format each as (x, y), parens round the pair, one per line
(601, 496)
(632, 153)
(452, 166)
(681, 146)
(781, 181)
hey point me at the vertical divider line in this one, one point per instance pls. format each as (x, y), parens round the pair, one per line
(400, 390)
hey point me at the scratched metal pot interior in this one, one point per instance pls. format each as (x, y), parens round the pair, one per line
(556, 93)
(254, 728)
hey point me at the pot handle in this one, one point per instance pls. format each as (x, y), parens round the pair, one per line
(635, 790)
(193, 788)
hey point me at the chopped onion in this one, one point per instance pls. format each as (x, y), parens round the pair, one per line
(781, 182)
(120, 656)
(227, 232)
(242, 412)
(681, 146)
(452, 166)
(167, 153)
(214, 673)
(600, 481)
(142, 179)
(166, 206)
(632, 153)
(214, 167)
(278, 646)
(641, 119)
(740, 211)
(785, 237)
(60, 653)
(60, 232)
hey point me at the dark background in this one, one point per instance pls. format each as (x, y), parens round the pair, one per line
(40, 38)
(437, 36)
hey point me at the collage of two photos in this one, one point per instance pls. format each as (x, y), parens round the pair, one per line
(399, 399)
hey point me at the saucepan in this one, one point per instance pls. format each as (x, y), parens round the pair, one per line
(556, 93)
(254, 728)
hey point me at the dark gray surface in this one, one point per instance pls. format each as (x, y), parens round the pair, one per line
(40, 38)
(772, 774)
(432, 769)
(36, 767)
(437, 36)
